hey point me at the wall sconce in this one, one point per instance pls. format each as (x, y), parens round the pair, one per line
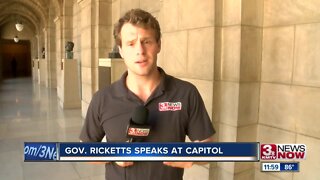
(16, 39)
(19, 26)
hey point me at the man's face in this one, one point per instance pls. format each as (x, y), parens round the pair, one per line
(139, 49)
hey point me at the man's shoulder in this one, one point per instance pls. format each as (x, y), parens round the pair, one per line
(112, 90)
(179, 83)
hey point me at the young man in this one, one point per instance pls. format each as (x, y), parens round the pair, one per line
(176, 109)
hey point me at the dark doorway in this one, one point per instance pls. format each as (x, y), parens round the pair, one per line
(16, 59)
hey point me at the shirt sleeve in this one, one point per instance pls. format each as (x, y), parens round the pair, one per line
(200, 126)
(92, 130)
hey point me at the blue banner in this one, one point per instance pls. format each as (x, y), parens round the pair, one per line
(159, 151)
(141, 151)
(40, 151)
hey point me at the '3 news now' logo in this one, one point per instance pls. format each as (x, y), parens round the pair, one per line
(282, 151)
(170, 106)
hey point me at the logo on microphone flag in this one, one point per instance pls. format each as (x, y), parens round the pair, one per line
(134, 131)
(170, 106)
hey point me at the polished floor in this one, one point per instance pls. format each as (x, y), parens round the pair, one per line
(30, 113)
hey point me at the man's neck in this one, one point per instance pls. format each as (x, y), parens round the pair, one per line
(143, 86)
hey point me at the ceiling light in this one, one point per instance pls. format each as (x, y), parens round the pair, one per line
(16, 39)
(19, 26)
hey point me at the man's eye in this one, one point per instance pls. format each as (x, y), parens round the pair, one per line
(146, 42)
(130, 44)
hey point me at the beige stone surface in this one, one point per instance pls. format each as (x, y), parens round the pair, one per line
(252, 12)
(272, 176)
(228, 12)
(84, 108)
(245, 175)
(247, 133)
(105, 38)
(223, 174)
(249, 97)
(195, 172)
(194, 14)
(115, 11)
(86, 12)
(170, 15)
(307, 55)
(43, 72)
(174, 49)
(86, 38)
(277, 55)
(307, 110)
(226, 102)
(309, 168)
(104, 15)
(151, 5)
(230, 53)
(118, 67)
(227, 133)
(70, 92)
(205, 89)
(35, 70)
(126, 5)
(86, 58)
(86, 75)
(86, 92)
(201, 53)
(288, 12)
(277, 106)
(38, 71)
(267, 134)
(250, 65)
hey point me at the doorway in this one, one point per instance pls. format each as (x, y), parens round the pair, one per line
(15, 59)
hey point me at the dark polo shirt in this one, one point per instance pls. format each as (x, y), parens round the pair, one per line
(176, 109)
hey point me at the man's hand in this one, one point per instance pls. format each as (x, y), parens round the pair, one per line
(187, 164)
(124, 164)
(179, 164)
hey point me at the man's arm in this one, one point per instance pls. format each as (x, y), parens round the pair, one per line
(188, 164)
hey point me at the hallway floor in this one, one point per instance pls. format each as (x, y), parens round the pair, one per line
(30, 113)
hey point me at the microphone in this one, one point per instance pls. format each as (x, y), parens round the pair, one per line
(138, 127)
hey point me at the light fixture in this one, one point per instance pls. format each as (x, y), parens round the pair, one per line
(19, 26)
(16, 39)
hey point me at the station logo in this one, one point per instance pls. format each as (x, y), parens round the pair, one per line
(282, 151)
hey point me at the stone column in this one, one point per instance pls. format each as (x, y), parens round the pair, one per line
(44, 61)
(58, 36)
(51, 51)
(96, 33)
(69, 97)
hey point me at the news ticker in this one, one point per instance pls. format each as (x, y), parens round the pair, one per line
(232, 151)
(45, 151)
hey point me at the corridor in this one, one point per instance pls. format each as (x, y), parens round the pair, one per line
(29, 112)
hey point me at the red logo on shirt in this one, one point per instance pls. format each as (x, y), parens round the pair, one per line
(170, 106)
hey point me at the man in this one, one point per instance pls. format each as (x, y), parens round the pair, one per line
(175, 106)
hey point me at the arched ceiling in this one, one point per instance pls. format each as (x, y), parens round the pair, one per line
(34, 13)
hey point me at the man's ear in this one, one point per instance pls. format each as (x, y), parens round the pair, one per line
(120, 51)
(159, 45)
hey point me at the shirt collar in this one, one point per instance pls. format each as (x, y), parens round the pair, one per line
(122, 90)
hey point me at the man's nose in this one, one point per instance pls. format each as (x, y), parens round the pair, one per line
(139, 48)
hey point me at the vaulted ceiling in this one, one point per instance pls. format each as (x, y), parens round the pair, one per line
(34, 13)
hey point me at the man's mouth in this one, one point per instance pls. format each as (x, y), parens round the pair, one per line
(141, 61)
